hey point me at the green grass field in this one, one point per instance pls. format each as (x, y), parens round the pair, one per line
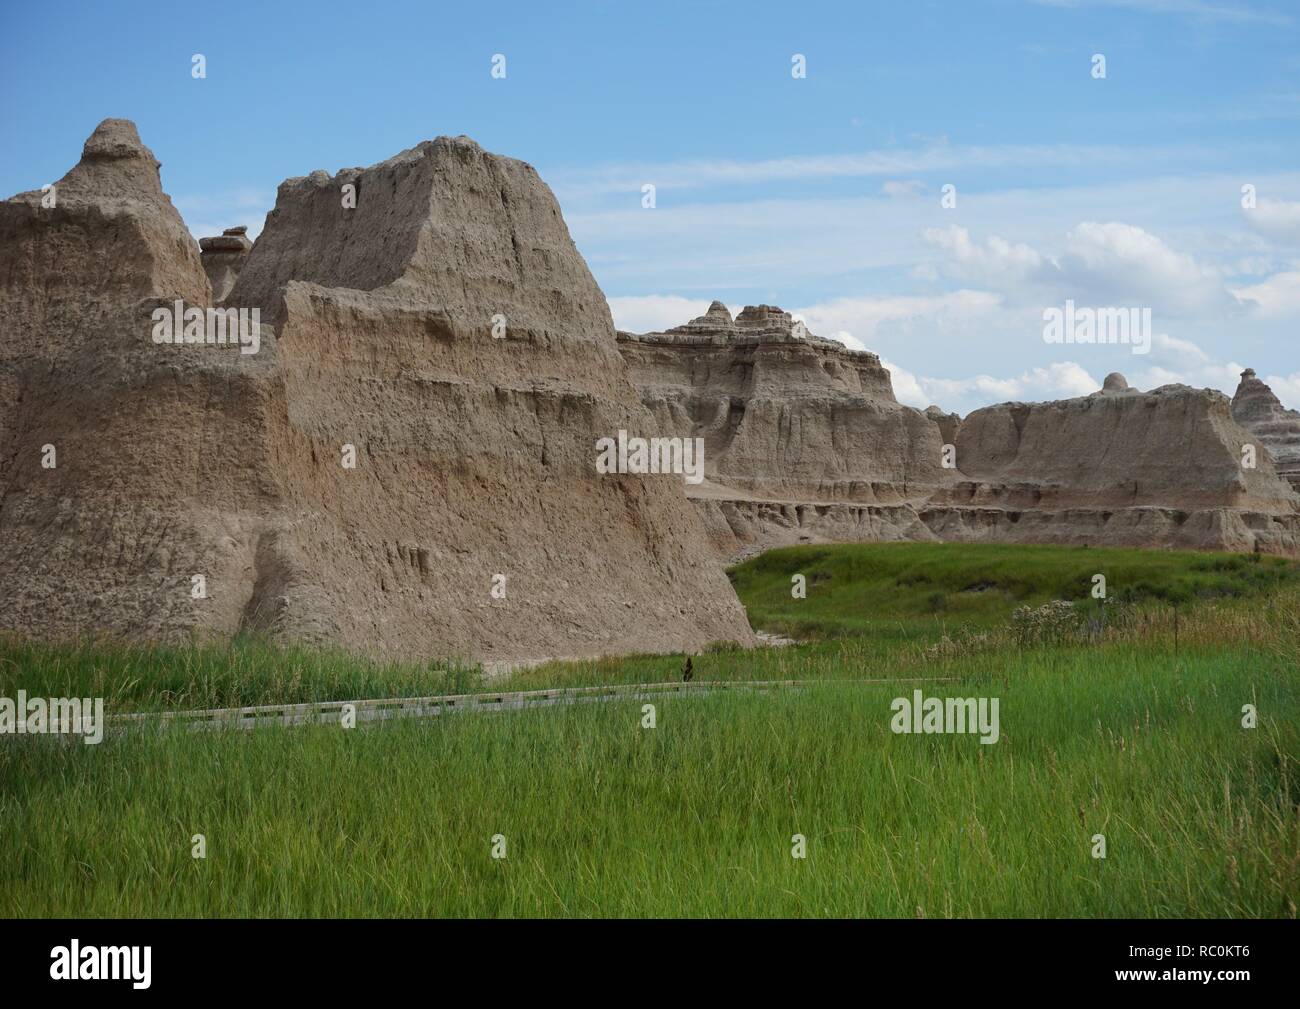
(1129, 727)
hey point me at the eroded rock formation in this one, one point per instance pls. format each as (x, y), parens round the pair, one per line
(1119, 467)
(405, 465)
(803, 437)
(1256, 409)
(805, 442)
(223, 257)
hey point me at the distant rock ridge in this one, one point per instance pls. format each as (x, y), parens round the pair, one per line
(806, 442)
(406, 466)
(1162, 468)
(784, 414)
(1258, 410)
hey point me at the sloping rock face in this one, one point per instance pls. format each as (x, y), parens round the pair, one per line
(1256, 409)
(1119, 467)
(104, 449)
(405, 465)
(803, 438)
(806, 443)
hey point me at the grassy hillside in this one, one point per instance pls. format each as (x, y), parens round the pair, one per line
(869, 588)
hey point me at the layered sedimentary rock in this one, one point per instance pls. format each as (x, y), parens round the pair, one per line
(803, 439)
(406, 464)
(1119, 467)
(1256, 408)
(223, 258)
(104, 449)
(805, 442)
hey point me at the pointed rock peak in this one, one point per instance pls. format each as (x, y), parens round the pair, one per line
(115, 139)
(1254, 389)
(115, 165)
(714, 323)
(1255, 397)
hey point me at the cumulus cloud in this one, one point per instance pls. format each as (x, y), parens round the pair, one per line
(1060, 380)
(1125, 261)
(1286, 388)
(994, 261)
(1108, 263)
(1276, 297)
(1279, 219)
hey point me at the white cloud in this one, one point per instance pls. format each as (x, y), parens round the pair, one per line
(861, 319)
(585, 183)
(1109, 263)
(1286, 388)
(993, 261)
(653, 313)
(1120, 261)
(1276, 297)
(1060, 380)
(1278, 219)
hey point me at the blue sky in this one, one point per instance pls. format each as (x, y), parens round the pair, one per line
(819, 194)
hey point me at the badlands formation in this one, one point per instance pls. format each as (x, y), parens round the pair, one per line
(403, 459)
(1256, 409)
(806, 443)
(443, 336)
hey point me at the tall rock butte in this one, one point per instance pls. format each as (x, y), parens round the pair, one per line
(445, 329)
(805, 442)
(1256, 409)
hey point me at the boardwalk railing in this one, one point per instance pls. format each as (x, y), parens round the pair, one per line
(378, 709)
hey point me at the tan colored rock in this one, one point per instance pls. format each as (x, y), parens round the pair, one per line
(1115, 383)
(785, 417)
(806, 443)
(949, 423)
(1163, 468)
(105, 452)
(475, 455)
(223, 257)
(788, 420)
(1257, 409)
